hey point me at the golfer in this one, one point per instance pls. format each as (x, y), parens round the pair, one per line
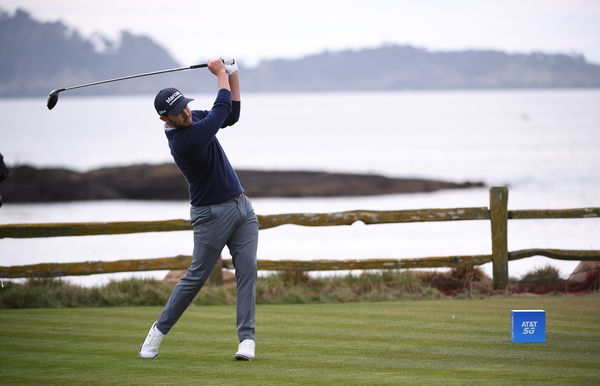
(220, 213)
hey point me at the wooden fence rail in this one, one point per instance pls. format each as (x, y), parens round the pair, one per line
(271, 221)
(184, 261)
(498, 214)
(265, 222)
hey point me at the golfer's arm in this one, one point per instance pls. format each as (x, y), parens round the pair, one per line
(223, 81)
(234, 115)
(234, 83)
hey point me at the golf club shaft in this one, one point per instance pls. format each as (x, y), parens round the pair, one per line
(135, 76)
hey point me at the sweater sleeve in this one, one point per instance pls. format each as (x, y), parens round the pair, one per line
(202, 131)
(234, 115)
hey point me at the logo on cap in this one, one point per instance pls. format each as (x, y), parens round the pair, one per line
(176, 95)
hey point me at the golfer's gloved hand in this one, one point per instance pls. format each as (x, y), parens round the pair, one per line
(230, 65)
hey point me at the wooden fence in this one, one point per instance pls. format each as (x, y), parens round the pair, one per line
(497, 213)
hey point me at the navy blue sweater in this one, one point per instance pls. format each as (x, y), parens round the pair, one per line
(201, 158)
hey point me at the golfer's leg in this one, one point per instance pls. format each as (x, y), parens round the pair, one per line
(187, 288)
(207, 247)
(242, 246)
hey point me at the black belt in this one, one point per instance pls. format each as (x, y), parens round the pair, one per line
(236, 198)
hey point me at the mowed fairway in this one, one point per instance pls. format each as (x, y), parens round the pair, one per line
(410, 342)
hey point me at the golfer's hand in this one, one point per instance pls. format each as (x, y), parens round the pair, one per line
(217, 67)
(230, 65)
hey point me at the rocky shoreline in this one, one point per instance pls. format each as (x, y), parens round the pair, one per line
(165, 182)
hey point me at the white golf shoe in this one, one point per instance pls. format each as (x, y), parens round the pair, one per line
(245, 350)
(149, 349)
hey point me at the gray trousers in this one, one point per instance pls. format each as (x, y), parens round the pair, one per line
(232, 223)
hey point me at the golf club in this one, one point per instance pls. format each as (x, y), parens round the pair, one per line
(53, 96)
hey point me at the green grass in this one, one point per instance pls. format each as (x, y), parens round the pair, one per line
(449, 341)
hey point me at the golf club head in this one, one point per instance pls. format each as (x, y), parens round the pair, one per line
(53, 98)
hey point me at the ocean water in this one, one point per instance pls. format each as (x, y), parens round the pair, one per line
(542, 144)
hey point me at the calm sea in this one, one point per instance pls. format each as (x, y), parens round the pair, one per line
(543, 144)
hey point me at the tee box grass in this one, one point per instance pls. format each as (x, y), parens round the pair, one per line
(449, 341)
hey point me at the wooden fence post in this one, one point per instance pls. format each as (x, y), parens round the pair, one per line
(499, 222)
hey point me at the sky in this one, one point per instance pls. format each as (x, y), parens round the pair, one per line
(266, 29)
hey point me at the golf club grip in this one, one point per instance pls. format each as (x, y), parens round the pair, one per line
(198, 66)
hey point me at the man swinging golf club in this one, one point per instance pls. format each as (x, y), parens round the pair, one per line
(220, 212)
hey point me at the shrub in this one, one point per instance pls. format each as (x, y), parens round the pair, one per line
(43, 292)
(459, 280)
(134, 292)
(56, 293)
(540, 281)
(280, 287)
